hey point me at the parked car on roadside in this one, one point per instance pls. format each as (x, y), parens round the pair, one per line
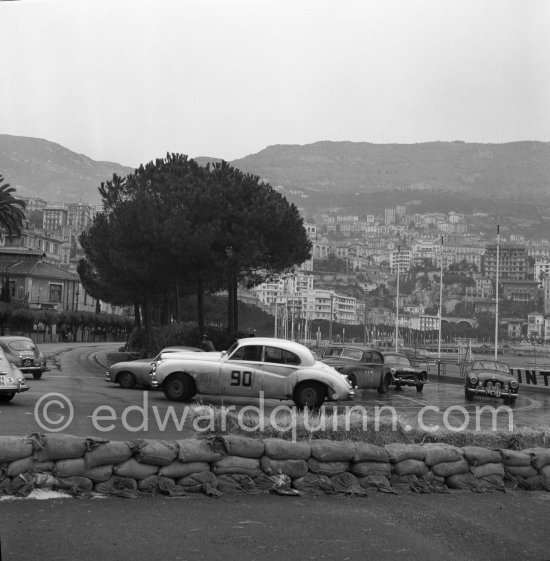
(12, 380)
(367, 367)
(252, 367)
(132, 373)
(491, 378)
(23, 353)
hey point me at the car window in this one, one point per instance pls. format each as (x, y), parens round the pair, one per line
(352, 354)
(22, 345)
(280, 356)
(332, 351)
(248, 352)
(396, 359)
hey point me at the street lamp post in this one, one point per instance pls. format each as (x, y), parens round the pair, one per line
(397, 305)
(496, 295)
(330, 323)
(440, 298)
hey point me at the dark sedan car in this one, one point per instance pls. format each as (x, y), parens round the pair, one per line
(491, 378)
(367, 367)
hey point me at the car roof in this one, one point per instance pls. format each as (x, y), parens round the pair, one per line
(302, 351)
(351, 346)
(8, 338)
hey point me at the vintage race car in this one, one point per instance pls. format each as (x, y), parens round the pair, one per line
(491, 378)
(276, 368)
(367, 367)
(24, 354)
(12, 380)
(132, 373)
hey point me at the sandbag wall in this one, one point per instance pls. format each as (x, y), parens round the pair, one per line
(226, 464)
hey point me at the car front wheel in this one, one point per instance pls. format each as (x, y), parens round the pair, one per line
(469, 396)
(309, 395)
(179, 387)
(126, 380)
(37, 375)
(7, 396)
(419, 387)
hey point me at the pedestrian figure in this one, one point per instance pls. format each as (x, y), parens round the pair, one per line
(206, 344)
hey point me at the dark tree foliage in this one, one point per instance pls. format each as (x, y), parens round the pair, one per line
(12, 215)
(174, 228)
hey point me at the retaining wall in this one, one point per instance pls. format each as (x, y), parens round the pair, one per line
(228, 464)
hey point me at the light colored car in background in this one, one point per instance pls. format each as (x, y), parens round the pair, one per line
(276, 368)
(23, 353)
(132, 373)
(12, 380)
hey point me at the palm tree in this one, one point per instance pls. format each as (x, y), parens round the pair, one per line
(12, 214)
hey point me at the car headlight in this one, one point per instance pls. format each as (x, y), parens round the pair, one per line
(473, 380)
(514, 384)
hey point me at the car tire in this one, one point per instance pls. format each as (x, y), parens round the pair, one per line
(310, 395)
(385, 384)
(419, 387)
(179, 387)
(37, 375)
(511, 401)
(7, 396)
(126, 380)
(468, 395)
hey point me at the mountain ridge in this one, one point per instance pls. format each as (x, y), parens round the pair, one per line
(39, 167)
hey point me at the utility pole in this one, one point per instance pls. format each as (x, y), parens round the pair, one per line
(397, 304)
(496, 295)
(440, 297)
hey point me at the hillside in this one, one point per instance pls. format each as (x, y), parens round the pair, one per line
(329, 173)
(37, 167)
(512, 169)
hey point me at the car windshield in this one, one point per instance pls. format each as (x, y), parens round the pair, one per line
(490, 365)
(397, 359)
(352, 354)
(21, 345)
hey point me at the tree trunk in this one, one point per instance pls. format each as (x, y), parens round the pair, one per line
(200, 306)
(230, 306)
(235, 305)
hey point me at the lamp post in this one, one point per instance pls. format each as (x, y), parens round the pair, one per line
(397, 305)
(496, 295)
(440, 297)
(330, 323)
(77, 294)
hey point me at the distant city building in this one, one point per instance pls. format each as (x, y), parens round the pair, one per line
(513, 263)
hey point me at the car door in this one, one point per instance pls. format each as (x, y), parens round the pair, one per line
(278, 365)
(241, 373)
(370, 374)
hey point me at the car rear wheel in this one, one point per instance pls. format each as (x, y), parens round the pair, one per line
(179, 387)
(37, 375)
(126, 380)
(309, 395)
(7, 396)
(385, 384)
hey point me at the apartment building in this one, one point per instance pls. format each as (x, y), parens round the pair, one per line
(512, 262)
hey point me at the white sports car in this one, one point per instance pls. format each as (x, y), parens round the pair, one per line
(279, 368)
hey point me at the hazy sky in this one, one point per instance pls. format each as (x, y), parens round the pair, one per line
(130, 80)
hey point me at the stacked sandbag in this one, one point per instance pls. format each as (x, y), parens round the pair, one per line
(517, 464)
(444, 461)
(407, 461)
(329, 457)
(371, 465)
(540, 461)
(284, 457)
(485, 471)
(240, 462)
